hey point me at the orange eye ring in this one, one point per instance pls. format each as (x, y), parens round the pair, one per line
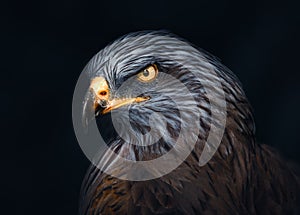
(148, 74)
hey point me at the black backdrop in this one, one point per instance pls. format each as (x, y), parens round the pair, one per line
(47, 43)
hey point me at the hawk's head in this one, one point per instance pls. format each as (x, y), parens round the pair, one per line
(151, 90)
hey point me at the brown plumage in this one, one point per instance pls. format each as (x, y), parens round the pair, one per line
(243, 177)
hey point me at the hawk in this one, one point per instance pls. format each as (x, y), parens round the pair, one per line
(163, 106)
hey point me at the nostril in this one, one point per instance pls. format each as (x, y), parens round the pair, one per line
(103, 93)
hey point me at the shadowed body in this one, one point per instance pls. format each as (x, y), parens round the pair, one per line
(242, 177)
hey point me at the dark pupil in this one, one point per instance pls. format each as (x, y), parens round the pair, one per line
(145, 72)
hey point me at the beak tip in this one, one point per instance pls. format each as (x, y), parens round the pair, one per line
(87, 110)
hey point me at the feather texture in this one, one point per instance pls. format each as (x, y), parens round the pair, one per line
(242, 177)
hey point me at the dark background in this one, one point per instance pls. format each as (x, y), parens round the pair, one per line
(46, 44)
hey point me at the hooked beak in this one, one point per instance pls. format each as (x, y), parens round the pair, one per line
(102, 102)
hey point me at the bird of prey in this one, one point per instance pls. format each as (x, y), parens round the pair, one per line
(149, 93)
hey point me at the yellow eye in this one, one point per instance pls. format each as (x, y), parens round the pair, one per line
(148, 74)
